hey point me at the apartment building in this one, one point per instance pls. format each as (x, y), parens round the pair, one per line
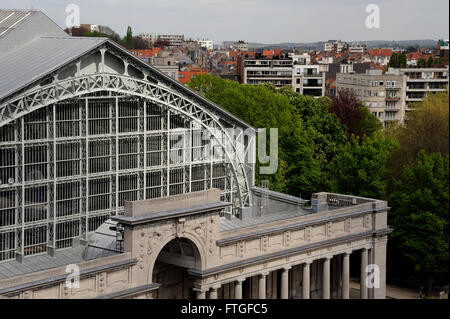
(240, 46)
(308, 80)
(174, 40)
(334, 46)
(208, 44)
(391, 96)
(357, 47)
(167, 63)
(261, 70)
(301, 59)
(421, 81)
(383, 94)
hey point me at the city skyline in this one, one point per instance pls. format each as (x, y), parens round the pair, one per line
(219, 20)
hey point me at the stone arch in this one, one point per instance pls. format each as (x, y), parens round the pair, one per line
(195, 243)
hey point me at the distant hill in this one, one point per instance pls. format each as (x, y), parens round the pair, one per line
(425, 43)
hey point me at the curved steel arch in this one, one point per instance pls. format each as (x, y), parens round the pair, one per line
(55, 92)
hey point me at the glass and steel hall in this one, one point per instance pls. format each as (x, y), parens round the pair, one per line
(86, 126)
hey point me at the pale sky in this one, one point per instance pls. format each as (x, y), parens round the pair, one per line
(263, 21)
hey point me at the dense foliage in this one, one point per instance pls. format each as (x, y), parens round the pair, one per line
(338, 145)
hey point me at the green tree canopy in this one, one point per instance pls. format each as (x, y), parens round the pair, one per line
(420, 216)
(427, 129)
(360, 169)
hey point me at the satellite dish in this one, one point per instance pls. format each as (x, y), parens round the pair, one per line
(11, 181)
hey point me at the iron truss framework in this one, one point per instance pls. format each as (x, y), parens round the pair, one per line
(52, 93)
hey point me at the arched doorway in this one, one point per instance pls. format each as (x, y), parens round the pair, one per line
(171, 269)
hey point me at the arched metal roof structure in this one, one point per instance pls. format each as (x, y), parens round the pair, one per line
(86, 125)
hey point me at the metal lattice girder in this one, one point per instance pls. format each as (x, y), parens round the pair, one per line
(37, 98)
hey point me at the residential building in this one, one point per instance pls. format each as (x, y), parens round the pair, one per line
(166, 62)
(357, 47)
(443, 48)
(173, 40)
(383, 94)
(334, 46)
(308, 80)
(300, 59)
(421, 81)
(150, 38)
(380, 56)
(108, 164)
(341, 67)
(260, 70)
(208, 44)
(240, 46)
(146, 54)
(186, 74)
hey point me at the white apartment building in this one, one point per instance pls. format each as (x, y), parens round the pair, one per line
(391, 96)
(357, 47)
(208, 44)
(384, 95)
(150, 38)
(334, 46)
(421, 81)
(262, 70)
(174, 40)
(304, 78)
(301, 59)
(308, 80)
(240, 46)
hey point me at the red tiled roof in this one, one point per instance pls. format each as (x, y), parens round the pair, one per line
(186, 76)
(146, 53)
(380, 52)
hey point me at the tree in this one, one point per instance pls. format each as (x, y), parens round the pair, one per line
(140, 44)
(422, 62)
(356, 117)
(360, 169)
(309, 136)
(430, 61)
(420, 215)
(129, 38)
(394, 60)
(398, 60)
(427, 129)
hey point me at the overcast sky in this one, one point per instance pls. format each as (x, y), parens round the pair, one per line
(264, 21)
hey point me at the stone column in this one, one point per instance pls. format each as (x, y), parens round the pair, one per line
(326, 278)
(363, 285)
(238, 288)
(213, 292)
(285, 283)
(379, 259)
(262, 285)
(306, 280)
(201, 294)
(370, 262)
(346, 276)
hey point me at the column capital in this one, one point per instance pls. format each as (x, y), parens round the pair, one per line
(264, 273)
(240, 280)
(201, 289)
(215, 287)
(329, 257)
(307, 262)
(286, 267)
(348, 252)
